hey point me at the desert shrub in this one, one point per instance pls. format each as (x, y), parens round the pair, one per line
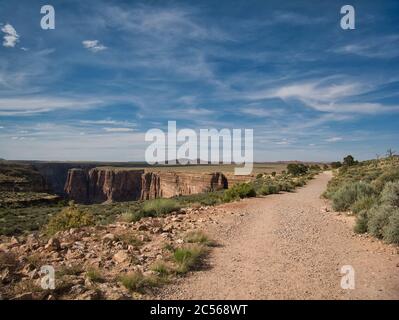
(131, 216)
(161, 268)
(273, 173)
(347, 195)
(390, 194)
(159, 207)
(363, 203)
(297, 169)
(336, 164)
(205, 199)
(325, 167)
(269, 189)
(259, 175)
(188, 257)
(69, 217)
(137, 281)
(378, 219)
(389, 176)
(134, 281)
(361, 222)
(391, 230)
(239, 191)
(285, 186)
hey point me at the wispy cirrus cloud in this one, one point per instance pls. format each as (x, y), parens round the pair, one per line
(27, 106)
(336, 97)
(383, 47)
(119, 129)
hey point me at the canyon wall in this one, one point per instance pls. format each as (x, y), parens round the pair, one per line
(99, 185)
(169, 184)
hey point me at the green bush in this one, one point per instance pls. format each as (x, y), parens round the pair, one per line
(390, 175)
(391, 230)
(285, 186)
(159, 207)
(297, 169)
(361, 222)
(239, 191)
(269, 189)
(378, 219)
(390, 194)
(69, 217)
(131, 216)
(363, 203)
(349, 193)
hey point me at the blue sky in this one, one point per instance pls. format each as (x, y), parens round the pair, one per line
(111, 70)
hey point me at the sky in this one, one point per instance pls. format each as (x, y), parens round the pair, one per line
(111, 70)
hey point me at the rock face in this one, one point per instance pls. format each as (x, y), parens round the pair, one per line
(108, 184)
(170, 184)
(18, 177)
(99, 185)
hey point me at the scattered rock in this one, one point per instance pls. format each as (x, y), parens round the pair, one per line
(121, 256)
(109, 237)
(53, 244)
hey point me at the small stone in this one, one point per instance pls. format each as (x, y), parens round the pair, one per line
(109, 237)
(120, 257)
(53, 244)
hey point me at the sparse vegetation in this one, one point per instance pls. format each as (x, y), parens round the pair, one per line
(94, 275)
(159, 207)
(370, 189)
(137, 281)
(69, 217)
(297, 169)
(188, 257)
(239, 191)
(198, 237)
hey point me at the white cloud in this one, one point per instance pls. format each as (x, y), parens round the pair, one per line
(11, 36)
(262, 112)
(107, 122)
(118, 129)
(334, 139)
(324, 96)
(380, 47)
(34, 105)
(93, 45)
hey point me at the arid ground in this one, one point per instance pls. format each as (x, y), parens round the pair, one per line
(289, 246)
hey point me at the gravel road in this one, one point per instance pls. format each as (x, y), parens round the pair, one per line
(288, 246)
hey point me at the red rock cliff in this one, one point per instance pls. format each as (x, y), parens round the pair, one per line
(109, 184)
(101, 184)
(170, 184)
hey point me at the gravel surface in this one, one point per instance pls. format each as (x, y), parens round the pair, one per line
(289, 246)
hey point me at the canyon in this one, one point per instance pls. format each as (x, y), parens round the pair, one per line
(94, 182)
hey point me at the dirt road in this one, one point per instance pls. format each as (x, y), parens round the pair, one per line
(287, 246)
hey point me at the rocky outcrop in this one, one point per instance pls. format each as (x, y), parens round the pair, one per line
(170, 184)
(15, 177)
(101, 184)
(113, 184)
